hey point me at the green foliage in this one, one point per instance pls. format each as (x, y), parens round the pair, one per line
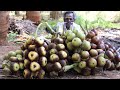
(99, 22)
(11, 36)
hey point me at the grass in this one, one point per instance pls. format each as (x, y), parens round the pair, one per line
(11, 36)
(99, 22)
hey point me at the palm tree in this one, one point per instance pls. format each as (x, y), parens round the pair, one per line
(55, 14)
(4, 25)
(33, 16)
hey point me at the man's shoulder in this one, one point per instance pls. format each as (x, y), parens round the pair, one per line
(75, 24)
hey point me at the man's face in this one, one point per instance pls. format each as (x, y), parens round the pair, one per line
(69, 19)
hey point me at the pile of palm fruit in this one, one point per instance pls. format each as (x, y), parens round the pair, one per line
(71, 50)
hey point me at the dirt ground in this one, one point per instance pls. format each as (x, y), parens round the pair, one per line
(112, 36)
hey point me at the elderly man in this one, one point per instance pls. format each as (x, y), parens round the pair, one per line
(68, 24)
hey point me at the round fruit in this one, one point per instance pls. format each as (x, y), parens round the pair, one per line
(86, 45)
(54, 58)
(82, 64)
(34, 66)
(57, 66)
(76, 42)
(95, 40)
(76, 57)
(92, 63)
(62, 54)
(101, 61)
(93, 52)
(84, 54)
(32, 55)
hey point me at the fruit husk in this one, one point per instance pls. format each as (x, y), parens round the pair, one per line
(117, 58)
(118, 66)
(86, 45)
(107, 65)
(112, 66)
(41, 74)
(49, 67)
(6, 71)
(21, 65)
(25, 53)
(80, 64)
(84, 54)
(95, 39)
(76, 57)
(45, 45)
(20, 52)
(54, 58)
(41, 61)
(60, 47)
(86, 71)
(27, 76)
(11, 53)
(39, 41)
(13, 59)
(12, 67)
(33, 64)
(94, 71)
(93, 53)
(70, 46)
(63, 62)
(90, 34)
(91, 60)
(51, 46)
(53, 51)
(101, 46)
(6, 63)
(76, 42)
(57, 67)
(93, 46)
(58, 40)
(5, 57)
(62, 54)
(27, 65)
(42, 51)
(31, 47)
(31, 53)
(99, 59)
(109, 54)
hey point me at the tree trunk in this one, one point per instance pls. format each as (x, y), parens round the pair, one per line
(55, 14)
(4, 25)
(17, 13)
(33, 16)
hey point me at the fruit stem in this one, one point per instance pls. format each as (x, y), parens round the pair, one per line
(20, 41)
(36, 32)
(68, 67)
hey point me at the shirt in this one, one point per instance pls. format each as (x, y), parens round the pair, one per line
(61, 28)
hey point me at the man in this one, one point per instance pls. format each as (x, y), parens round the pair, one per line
(68, 24)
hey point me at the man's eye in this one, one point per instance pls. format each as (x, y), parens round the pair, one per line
(68, 18)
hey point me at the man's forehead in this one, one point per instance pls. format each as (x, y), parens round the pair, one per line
(69, 15)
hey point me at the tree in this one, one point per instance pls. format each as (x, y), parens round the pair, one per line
(33, 16)
(55, 14)
(4, 25)
(17, 13)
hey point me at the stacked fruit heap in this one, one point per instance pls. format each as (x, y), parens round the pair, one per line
(90, 52)
(36, 58)
(72, 50)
